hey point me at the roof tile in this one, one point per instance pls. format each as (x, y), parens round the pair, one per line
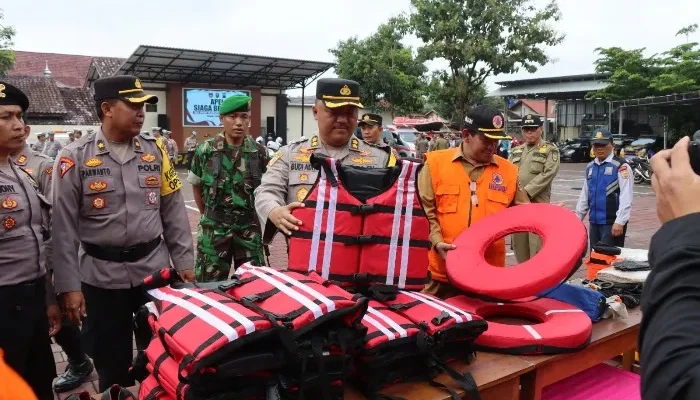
(44, 95)
(67, 69)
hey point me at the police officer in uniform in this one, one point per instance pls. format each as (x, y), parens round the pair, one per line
(25, 290)
(289, 175)
(41, 142)
(372, 131)
(538, 164)
(422, 146)
(52, 146)
(40, 166)
(119, 216)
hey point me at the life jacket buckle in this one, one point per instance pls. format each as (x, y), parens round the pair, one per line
(441, 318)
(363, 209)
(365, 239)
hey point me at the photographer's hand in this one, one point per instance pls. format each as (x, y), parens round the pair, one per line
(675, 184)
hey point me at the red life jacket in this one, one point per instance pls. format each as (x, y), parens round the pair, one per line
(199, 326)
(383, 240)
(300, 302)
(151, 390)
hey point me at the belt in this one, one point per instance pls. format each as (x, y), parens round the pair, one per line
(229, 219)
(121, 254)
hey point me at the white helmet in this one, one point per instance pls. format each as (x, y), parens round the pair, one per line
(259, 139)
(278, 140)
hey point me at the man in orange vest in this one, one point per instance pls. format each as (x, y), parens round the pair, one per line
(461, 185)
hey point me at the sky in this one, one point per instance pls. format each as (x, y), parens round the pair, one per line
(306, 29)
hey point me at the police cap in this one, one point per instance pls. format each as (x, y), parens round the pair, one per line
(336, 92)
(12, 96)
(530, 120)
(371, 120)
(123, 87)
(486, 120)
(601, 136)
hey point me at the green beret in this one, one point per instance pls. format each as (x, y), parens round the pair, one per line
(237, 103)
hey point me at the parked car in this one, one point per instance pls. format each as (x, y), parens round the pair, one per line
(648, 145)
(620, 142)
(576, 150)
(402, 147)
(408, 136)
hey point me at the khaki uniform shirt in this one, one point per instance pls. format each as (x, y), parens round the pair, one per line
(440, 144)
(422, 147)
(425, 188)
(537, 166)
(105, 202)
(51, 149)
(290, 175)
(24, 225)
(39, 166)
(191, 144)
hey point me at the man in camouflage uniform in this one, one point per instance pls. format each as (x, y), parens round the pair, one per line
(224, 173)
(290, 175)
(538, 164)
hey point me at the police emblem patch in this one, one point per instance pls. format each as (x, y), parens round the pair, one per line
(362, 160)
(497, 183)
(48, 171)
(302, 158)
(497, 179)
(137, 84)
(8, 203)
(93, 162)
(148, 157)
(497, 121)
(345, 91)
(98, 185)
(152, 198)
(301, 194)
(9, 223)
(22, 159)
(64, 165)
(98, 203)
(152, 181)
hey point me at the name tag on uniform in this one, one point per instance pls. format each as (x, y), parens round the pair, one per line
(608, 170)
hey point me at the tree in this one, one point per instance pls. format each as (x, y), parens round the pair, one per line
(7, 55)
(442, 96)
(687, 31)
(479, 38)
(629, 73)
(390, 76)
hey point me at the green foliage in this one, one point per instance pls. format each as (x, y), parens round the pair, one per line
(7, 55)
(390, 75)
(478, 38)
(442, 97)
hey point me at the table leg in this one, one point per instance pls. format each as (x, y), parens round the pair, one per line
(530, 386)
(628, 360)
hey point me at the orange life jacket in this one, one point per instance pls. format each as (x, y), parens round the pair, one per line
(12, 386)
(459, 202)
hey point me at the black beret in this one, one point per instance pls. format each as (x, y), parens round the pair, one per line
(12, 96)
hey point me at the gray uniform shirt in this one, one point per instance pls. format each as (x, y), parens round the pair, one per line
(106, 202)
(290, 175)
(24, 219)
(52, 148)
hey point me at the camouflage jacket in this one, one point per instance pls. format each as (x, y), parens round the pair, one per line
(240, 170)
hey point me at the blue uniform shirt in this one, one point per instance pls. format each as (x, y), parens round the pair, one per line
(607, 192)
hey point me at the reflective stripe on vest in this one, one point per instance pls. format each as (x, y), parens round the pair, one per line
(384, 325)
(348, 241)
(293, 298)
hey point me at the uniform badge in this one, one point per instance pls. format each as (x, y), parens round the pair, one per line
(64, 165)
(9, 223)
(590, 173)
(98, 203)
(303, 178)
(274, 158)
(362, 160)
(137, 84)
(137, 144)
(152, 198)
(301, 194)
(497, 121)
(30, 171)
(624, 172)
(93, 162)
(365, 153)
(148, 157)
(302, 158)
(608, 171)
(355, 143)
(21, 160)
(543, 149)
(8, 203)
(314, 141)
(101, 145)
(152, 181)
(98, 186)
(305, 150)
(48, 171)
(345, 91)
(555, 156)
(497, 183)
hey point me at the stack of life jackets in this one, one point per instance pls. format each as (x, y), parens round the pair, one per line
(265, 334)
(356, 235)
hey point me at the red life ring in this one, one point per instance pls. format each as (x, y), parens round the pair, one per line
(562, 328)
(564, 243)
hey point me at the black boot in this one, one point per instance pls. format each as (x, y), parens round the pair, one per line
(74, 376)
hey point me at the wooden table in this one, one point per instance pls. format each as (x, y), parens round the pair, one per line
(497, 375)
(609, 339)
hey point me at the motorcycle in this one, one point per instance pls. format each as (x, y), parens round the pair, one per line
(641, 169)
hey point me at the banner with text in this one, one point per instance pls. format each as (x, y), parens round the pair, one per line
(201, 106)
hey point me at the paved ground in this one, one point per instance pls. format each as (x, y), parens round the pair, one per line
(567, 187)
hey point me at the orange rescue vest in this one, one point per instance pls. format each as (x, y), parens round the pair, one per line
(459, 202)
